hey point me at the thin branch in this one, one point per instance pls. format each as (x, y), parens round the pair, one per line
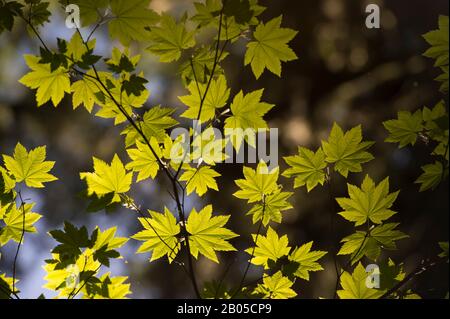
(253, 251)
(139, 211)
(332, 230)
(418, 271)
(22, 235)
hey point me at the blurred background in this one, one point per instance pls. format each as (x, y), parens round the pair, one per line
(345, 73)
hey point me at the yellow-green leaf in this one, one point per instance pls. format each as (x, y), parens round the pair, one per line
(50, 85)
(30, 167)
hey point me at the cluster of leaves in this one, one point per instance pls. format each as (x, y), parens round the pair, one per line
(115, 88)
(76, 261)
(346, 152)
(35, 12)
(24, 168)
(282, 264)
(368, 206)
(429, 125)
(438, 40)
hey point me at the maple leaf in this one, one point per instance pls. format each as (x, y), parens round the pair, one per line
(269, 247)
(30, 167)
(108, 179)
(112, 287)
(207, 234)
(270, 209)
(200, 180)
(216, 97)
(89, 10)
(200, 66)
(370, 243)
(270, 47)
(346, 151)
(13, 218)
(154, 124)
(84, 92)
(143, 160)
(307, 167)
(444, 247)
(354, 286)
(247, 117)
(306, 260)
(438, 39)
(275, 287)
(432, 176)
(109, 108)
(6, 285)
(405, 129)
(371, 202)
(159, 235)
(131, 17)
(50, 85)
(170, 39)
(257, 183)
(106, 239)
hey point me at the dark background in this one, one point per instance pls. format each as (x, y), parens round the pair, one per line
(345, 73)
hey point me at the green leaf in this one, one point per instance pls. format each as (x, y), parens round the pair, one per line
(71, 240)
(270, 209)
(13, 217)
(354, 285)
(144, 161)
(7, 182)
(6, 284)
(40, 14)
(160, 235)
(134, 85)
(270, 47)
(30, 167)
(371, 202)
(258, 183)
(216, 98)
(346, 151)
(307, 167)
(131, 17)
(84, 92)
(109, 108)
(206, 12)
(200, 180)
(361, 244)
(108, 178)
(106, 239)
(169, 39)
(154, 123)
(275, 287)
(269, 247)
(405, 129)
(247, 118)
(78, 51)
(50, 85)
(215, 290)
(444, 247)
(90, 11)
(200, 66)
(8, 12)
(438, 39)
(306, 260)
(207, 234)
(432, 176)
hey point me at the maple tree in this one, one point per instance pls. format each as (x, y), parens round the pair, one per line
(114, 88)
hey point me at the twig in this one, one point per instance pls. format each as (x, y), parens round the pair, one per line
(418, 271)
(22, 207)
(253, 251)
